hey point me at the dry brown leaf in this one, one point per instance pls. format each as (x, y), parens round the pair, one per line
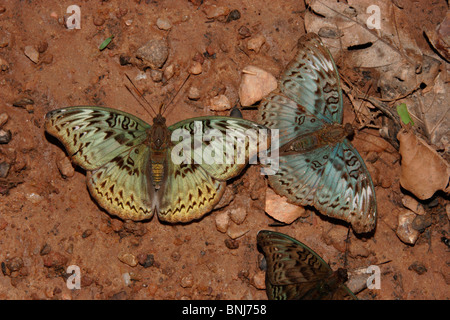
(423, 171)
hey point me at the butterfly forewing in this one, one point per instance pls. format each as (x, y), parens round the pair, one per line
(94, 136)
(312, 80)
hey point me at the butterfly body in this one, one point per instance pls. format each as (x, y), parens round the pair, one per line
(130, 167)
(296, 272)
(318, 166)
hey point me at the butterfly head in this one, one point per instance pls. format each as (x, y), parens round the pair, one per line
(159, 134)
(349, 130)
(341, 273)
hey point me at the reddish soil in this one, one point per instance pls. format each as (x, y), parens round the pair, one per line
(48, 222)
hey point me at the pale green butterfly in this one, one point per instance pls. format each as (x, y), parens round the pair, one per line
(130, 171)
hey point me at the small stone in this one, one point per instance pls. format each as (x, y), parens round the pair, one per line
(199, 57)
(5, 136)
(23, 103)
(14, 264)
(244, 32)
(146, 260)
(357, 250)
(4, 169)
(235, 231)
(187, 281)
(259, 280)
(154, 53)
(238, 215)
(45, 249)
(336, 236)
(98, 21)
(128, 259)
(46, 59)
(231, 244)
(220, 103)
(233, 15)
(86, 233)
(405, 231)
(124, 60)
(32, 53)
(4, 65)
(420, 223)
(215, 12)
(42, 46)
(255, 85)
(168, 73)
(65, 167)
(163, 24)
(156, 75)
(413, 205)
(278, 208)
(418, 267)
(5, 38)
(121, 12)
(55, 260)
(196, 68)
(222, 221)
(194, 93)
(256, 43)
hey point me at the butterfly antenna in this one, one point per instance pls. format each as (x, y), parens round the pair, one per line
(139, 93)
(165, 107)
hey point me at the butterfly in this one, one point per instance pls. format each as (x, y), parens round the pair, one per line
(130, 165)
(318, 165)
(295, 272)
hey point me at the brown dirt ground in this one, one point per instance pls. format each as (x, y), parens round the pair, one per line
(192, 260)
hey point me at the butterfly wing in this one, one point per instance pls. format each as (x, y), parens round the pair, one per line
(311, 79)
(294, 271)
(193, 188)
(110, 144)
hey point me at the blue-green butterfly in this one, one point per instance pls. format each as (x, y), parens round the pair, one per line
(295, 272)
(318, 165)
(130, 171)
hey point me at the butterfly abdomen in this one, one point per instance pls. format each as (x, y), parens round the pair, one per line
(157, 172)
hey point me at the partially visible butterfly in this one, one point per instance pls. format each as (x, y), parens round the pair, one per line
(130, 171)
(318, 165)
(295, 272)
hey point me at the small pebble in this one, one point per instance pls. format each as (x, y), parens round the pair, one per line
(244, 32)
(220, 103)
(255, 85)
(196, 68)
(128, 259)
(235, 231)
(3, 119)
(98, 21)
(233, 15)
(405, 231)
(238, 215)
(5, 38)
(199, 57)
(278, 208)
(4, 65)
(420, 223)
(231, 244)
(146, 260)
(154, 53)
(45, 249)
(14, 264)
(121, 12)
(163, 24)
(168, 73)
(156, 75)
(216, 12)
(222, 221)
(54, 260)
(32, 53)
(413, 205)
(194, 93)
(259, 280)
(418, 267)
(124, 60)
(256, 43)
(187, 281)
(65, 167)
(86, 233)
(5, 136)
(4, 169)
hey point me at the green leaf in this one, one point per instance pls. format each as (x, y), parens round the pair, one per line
(402, 111)
(105, 43)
